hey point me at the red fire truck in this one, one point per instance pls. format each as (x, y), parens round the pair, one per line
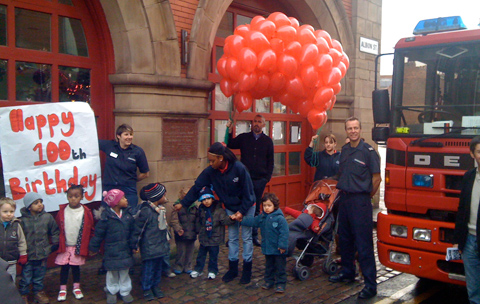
(427, 127)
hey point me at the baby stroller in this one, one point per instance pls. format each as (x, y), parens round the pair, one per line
(316, 241)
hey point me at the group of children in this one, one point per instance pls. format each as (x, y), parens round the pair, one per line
(30, 240)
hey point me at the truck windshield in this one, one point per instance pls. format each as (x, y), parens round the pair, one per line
(436, 90)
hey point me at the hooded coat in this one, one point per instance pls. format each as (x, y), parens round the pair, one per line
(38, 229)
(116, 232)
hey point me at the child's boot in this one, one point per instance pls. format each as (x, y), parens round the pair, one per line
(246, 273)
(41, 297)
(232, 272)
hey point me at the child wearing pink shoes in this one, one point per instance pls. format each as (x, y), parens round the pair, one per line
(76, 225)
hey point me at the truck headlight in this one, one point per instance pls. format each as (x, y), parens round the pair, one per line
(398, 230)
(421, 234)
(400, 257)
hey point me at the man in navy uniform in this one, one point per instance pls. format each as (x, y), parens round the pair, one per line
(256, 150)
(359, 179)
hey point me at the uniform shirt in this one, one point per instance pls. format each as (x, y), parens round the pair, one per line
(121, 164)
(256, 153)
(357, 166)
(327, 165)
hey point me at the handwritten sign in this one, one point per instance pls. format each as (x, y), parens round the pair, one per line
(47, 147)
(179, 138)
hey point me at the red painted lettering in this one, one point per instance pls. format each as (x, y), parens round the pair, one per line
(17, 191)
(41, 122)
(30, 123)
(60, 183)
(52, 122)
(67, 118)
(16, 120)
(40, 160)
(48, 182)
(64, 150)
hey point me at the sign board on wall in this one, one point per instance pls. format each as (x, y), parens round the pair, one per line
(47, 147)
(368, 46)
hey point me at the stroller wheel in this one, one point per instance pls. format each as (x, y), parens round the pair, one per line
(330, 268)
(307, 260)
(302, 272)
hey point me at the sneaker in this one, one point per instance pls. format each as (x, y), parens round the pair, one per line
(188, 271)
(127, 299)
(211, 275)
(41, 297)
(280, 289)
(171, 275)
(195, 274)
(62, 296)
(148, 295)
(267, 286)
(77, 293)
(111, 298)
(177, 272)
(157, 293)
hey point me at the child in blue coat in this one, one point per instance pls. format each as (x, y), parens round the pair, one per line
(274, 230)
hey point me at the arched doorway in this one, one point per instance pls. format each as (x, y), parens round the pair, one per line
(289, 131)
(56, 51)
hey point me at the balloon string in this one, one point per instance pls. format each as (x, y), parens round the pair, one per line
(315, 161)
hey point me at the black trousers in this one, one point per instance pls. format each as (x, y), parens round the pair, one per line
(355, 232)
(275, 272)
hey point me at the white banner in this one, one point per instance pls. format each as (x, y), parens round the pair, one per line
(47, 147)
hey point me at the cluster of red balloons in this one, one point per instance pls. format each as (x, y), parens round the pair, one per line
(296, 65)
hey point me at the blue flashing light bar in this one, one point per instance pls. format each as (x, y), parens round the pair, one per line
(442, 24)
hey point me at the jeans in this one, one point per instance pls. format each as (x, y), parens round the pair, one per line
(212, 258)
(233, 235)
(151, 273)
(258, 189)
(166, 264)
(275, 272)
(471, 261)
(33, 273)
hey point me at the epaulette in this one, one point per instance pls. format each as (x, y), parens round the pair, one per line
(371, 149)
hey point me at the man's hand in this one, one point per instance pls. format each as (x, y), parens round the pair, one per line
(282, 251)
(178, 207)
(238, 216)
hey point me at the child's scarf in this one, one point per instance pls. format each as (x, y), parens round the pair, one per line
(162, 217)
(208, 221)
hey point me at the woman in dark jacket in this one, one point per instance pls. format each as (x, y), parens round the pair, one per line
(233, 185)
(327, 161)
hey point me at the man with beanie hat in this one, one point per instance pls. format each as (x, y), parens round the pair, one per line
(39, 228)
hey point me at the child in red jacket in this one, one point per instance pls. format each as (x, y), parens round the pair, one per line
(76, 228)
(316, 211)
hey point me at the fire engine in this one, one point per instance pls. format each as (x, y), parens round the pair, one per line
(427, 126)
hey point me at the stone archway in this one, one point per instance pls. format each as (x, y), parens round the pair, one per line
(330, 15)
(144, 37)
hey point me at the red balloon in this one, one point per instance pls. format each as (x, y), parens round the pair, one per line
(277, 45)
(248, 58)
(233, 45)
(325, 35)
(345, 60)
(336, 56)
(262, 83)
(286, 99)
(233, 68)
(255, 21)
(317, 118)
(221, 66)
(309, 76)
(287, 33)
(280, 19)
(322, 96)
(267, 60)
(342, 68)
(295, 22)
(309, 53)
(332, 102)
(305, 35)
(324, 63)
(294, 49)
(294, 107)
(277, 82)
(308, 27)
(337, 45)
(226, 87)
(337, 88)
(305, 107)
(243, 101)
(242, 30)
(235, 87)
(334, 77)
(267, 28)
(322, 45)
(295, 87)
(257, 41)
(287, 65)
(247, 81)
(256, 95)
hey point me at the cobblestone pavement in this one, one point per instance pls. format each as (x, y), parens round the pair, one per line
(183, 289)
